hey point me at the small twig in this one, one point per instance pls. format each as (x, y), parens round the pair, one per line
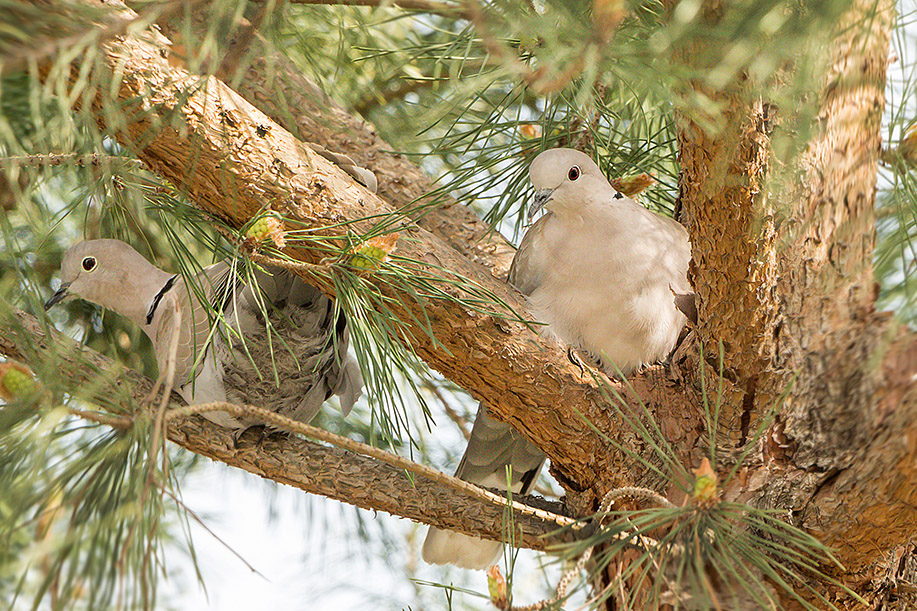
(314, 269)
(710, 590)
(382, 96)
(294, 426)
(560, 592)
(544, 80)
(633, 492)
(645, 494)
(446, 9)
(116, 422)
(95, 160)
(377, 98)
(318, 271)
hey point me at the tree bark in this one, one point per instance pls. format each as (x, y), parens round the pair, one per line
(319, 469)
(784, 279)
(272, 83)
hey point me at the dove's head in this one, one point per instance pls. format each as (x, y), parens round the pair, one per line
(107, 272)
(561, 177)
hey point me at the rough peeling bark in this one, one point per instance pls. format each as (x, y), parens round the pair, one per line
(789, 290)
(310, 115)
(270, 81)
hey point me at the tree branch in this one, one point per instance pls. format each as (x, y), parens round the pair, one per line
(420, 494)
(447, 9)
(273, 84)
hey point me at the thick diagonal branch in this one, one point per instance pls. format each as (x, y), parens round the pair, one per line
(319, 469)
(269, 80)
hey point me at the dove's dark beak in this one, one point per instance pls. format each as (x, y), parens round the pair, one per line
(541, 198)
(62, 293)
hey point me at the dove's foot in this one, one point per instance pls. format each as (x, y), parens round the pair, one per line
(575, 359)
(257, 434)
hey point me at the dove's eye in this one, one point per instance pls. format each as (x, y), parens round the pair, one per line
(574, 173)
(89, 263)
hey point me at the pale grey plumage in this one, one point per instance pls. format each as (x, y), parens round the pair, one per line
(236, 361)
(360, 174)
(603, 272)
(493, 447)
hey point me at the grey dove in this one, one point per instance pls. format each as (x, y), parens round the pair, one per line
(237, 361)
(609, 279)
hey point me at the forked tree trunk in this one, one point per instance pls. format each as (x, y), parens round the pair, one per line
(786, 287)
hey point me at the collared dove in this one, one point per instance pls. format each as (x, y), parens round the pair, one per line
(306, 347)
(609, 278)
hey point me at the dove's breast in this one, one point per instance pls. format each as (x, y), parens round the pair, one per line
(608, 289)
(289, 362)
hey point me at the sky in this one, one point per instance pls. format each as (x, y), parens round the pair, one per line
(307, 554)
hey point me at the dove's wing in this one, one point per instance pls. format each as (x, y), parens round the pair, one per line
(524, 272)
(495, 451)
(295, 358)
(496, 455)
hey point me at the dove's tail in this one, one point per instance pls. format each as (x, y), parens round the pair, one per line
(447, 547)
(496, 455)
(350, 387)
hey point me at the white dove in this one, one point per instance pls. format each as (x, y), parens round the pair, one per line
(609, 278)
